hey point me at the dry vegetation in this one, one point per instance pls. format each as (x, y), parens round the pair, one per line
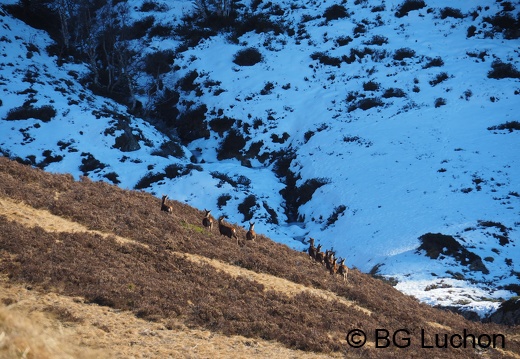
(116, 251)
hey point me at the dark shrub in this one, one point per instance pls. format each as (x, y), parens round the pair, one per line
(371, 86)
(191, 125)
(357, 140)
(409, 5)
(159, 62)
(160, 31)
(359, 30)
(90, 163)
(231, 146)
(149, 179)
(356, 54)
(221, 124)
(224, 178)
(282, 163)
(267, 89)
(509, 126)
(148, 6)
(451, 12)
(139, 28)
(247, 57)
(394, 92)
(247, 206)
(49, 158)
(177, 170)
(280, 139)
(436, 62)
(472, 30)
(259, 23)
(506, 24)
(377, 40)
(468, 94)
(366, 104)
(440, 102)
(326, 59)
(37, 15)
(112, 177)
(43, 113)
(502, 70)
(308, 135)
(439, 78)
(335, 215)
(169, 148)
(307, 189)
(165, 107)
(403, 53)
(343, 40)
(187, 83)
(222, 200)
(335, 12)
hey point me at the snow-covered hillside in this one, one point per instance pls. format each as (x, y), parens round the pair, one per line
(362, 129)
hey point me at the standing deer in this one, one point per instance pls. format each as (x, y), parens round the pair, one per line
(343, 270)
(320, 256)
(207, 221)
(312, 250)
(333, 267)
(164, 206)
(251, 235)
(329, 257)
(226, 229)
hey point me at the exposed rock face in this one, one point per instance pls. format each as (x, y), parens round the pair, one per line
(436, 244)
(127, 142)
(508, 313)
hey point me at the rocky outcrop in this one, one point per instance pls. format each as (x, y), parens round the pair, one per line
(508, 313)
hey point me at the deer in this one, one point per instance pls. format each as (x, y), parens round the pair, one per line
(226, 229)
(333, 267)
(329, 257)
(312, 250)
(164, 206)
(320, 256)
(343, 269)
(207, 221)
(251, 235)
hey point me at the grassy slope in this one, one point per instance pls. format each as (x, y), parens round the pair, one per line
(116, 249)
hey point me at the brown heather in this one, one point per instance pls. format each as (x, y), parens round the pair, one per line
(119, 251)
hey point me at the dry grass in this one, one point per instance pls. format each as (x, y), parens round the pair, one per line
(118, 252)
(35, 334)
(50, 326)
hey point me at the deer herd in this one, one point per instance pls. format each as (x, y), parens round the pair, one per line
(326, 258)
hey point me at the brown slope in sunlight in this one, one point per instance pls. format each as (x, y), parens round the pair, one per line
(29, 216)
(32, 217)
(183, 274)
(47, 325)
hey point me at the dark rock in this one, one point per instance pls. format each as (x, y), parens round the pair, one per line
(508, 313)
(436, 244)
(127, 142)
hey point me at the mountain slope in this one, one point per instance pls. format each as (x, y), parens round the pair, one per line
(367, 127)
(173, 273)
